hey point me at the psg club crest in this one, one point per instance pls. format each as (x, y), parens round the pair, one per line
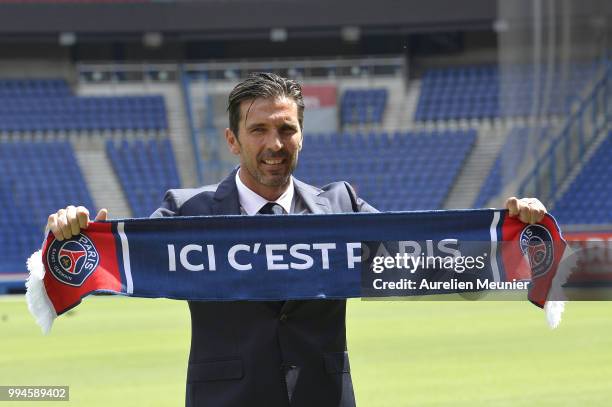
(536, 243)
(72, 261)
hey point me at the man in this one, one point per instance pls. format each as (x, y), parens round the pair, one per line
(275, 353)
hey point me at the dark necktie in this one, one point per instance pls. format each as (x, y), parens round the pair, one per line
(271, 208)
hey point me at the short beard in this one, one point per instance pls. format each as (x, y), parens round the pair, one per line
(276, 181)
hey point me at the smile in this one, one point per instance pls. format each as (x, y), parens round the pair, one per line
(273, 162)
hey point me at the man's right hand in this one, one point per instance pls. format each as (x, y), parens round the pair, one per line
(68, 222)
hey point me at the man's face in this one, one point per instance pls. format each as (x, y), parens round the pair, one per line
(269, 140)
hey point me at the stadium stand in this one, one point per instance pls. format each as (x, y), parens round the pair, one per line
(363, 106)
(146, 169)
(49, 106)
(510, 156)
(401, 171)
(37, 178)
(473, 92)
(588, 200)
(10, 88)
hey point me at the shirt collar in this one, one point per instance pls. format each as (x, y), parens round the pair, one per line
(252, 202)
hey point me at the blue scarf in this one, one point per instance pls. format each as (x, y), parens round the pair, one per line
(297, 257)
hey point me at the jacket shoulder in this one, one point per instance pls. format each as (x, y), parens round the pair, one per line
(343, 197)
(183, 195)
(187, 201)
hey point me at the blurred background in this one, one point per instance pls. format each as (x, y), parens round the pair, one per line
(420, 105)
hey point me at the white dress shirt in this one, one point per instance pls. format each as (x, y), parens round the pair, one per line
(251, 202)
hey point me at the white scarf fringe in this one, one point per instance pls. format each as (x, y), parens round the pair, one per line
(36, 295)
(555, 305)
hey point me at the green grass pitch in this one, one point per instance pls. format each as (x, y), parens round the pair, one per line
(115, 351)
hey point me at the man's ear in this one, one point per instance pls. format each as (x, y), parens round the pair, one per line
(232, 141)
(301, 142)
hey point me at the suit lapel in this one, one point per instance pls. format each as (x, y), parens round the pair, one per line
(310, 195)
(226, 200)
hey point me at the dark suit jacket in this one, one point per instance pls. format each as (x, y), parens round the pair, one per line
(268, 354)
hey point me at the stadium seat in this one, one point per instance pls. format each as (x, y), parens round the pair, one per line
(473, 92)
(145, 169)
(363, 106)
(48, 105)
(400, 171)
(33, 185)
(513, 154)
(588, 199)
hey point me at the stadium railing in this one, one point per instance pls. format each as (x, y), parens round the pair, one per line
(582, 128)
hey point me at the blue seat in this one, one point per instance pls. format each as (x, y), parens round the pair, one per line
(473, 91)
(362, 106)
(49, 105)
(588, 198)
(402, 159)
(35, 186)
(145, 170)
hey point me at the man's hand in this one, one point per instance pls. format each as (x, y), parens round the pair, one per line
(68, 222)
(528, 210)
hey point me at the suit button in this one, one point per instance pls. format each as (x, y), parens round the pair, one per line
(283, 318)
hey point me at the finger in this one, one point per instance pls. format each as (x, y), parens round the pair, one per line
(537, 212)
(540, 215)
(531, 212)
(102, 214)
(512, 204)
(533, 216)
(522, 210)
(82, 216)
(63, 225)
(52, 226)
(539, 208)
(73, 221)
(524, 213)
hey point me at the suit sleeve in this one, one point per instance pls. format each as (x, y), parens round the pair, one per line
(168, 207)
(359, 205)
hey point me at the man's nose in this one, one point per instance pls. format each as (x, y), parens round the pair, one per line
(273, 141)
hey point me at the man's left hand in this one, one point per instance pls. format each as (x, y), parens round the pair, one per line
(528, 210)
